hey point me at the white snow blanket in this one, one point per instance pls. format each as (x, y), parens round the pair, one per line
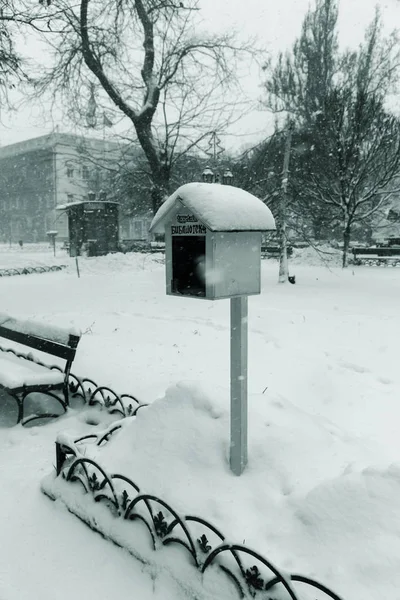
(321, 493)
(16, 372)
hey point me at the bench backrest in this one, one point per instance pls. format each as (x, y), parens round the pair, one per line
(50, 340)
(383, 252)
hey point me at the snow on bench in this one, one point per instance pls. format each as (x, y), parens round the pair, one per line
(16, 372)
(22, 374)
(42, 330)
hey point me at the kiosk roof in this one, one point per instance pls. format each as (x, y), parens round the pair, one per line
(218, 207)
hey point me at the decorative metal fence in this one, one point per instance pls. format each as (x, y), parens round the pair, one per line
(92, 394)
(29, 270)
(123, 405)
(253, 575)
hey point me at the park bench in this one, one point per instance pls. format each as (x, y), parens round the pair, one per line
(22, 374)
(273, 251)
(377, 256)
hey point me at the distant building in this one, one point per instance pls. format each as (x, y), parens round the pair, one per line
(136, 227)
(386, 221)
(39, 174)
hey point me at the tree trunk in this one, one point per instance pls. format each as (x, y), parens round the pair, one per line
(316, 225)
(158, 192)
(283, 258)
(346, 244)
(157, 163)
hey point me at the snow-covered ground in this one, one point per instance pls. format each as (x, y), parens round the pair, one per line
(320, 495)
(30, 255)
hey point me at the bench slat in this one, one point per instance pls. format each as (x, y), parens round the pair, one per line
(18, 373)
(41, 344)
(60, 335)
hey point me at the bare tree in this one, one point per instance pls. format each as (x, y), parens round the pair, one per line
(11, 63)
(146, 62)
(350, 143)
(359, 148)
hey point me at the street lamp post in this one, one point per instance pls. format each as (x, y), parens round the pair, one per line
(227, 177)
(209, 176)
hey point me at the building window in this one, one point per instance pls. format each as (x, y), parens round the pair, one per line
(97, 175)
(70, 198)
(70, 172)
(85, 172)
(137, 229)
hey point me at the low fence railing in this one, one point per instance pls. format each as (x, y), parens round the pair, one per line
(29, 270)
(251, 573)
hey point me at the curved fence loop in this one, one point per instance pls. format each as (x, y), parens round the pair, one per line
(254, 554)
(130, 397)
(235, 579)
(137, 517)
(315, 584)
(104, 438)
(160, 525)
(126, 480)
(37, 417)
(85, 381)
(94, 484)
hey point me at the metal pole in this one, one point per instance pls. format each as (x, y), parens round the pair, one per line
(77, 266)
(282, 208)
(238, 444)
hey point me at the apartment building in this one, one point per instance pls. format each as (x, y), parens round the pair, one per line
(39, 174)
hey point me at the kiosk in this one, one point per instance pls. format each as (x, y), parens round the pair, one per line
(213, 251)
(93, 227)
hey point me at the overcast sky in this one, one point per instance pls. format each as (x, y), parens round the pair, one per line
(275, 22)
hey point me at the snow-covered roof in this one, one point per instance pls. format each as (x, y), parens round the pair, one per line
(79, 202)
(218, 207)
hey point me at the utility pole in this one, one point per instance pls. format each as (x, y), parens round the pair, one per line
(283, 259)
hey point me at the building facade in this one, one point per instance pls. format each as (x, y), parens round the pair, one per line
(40, 174)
